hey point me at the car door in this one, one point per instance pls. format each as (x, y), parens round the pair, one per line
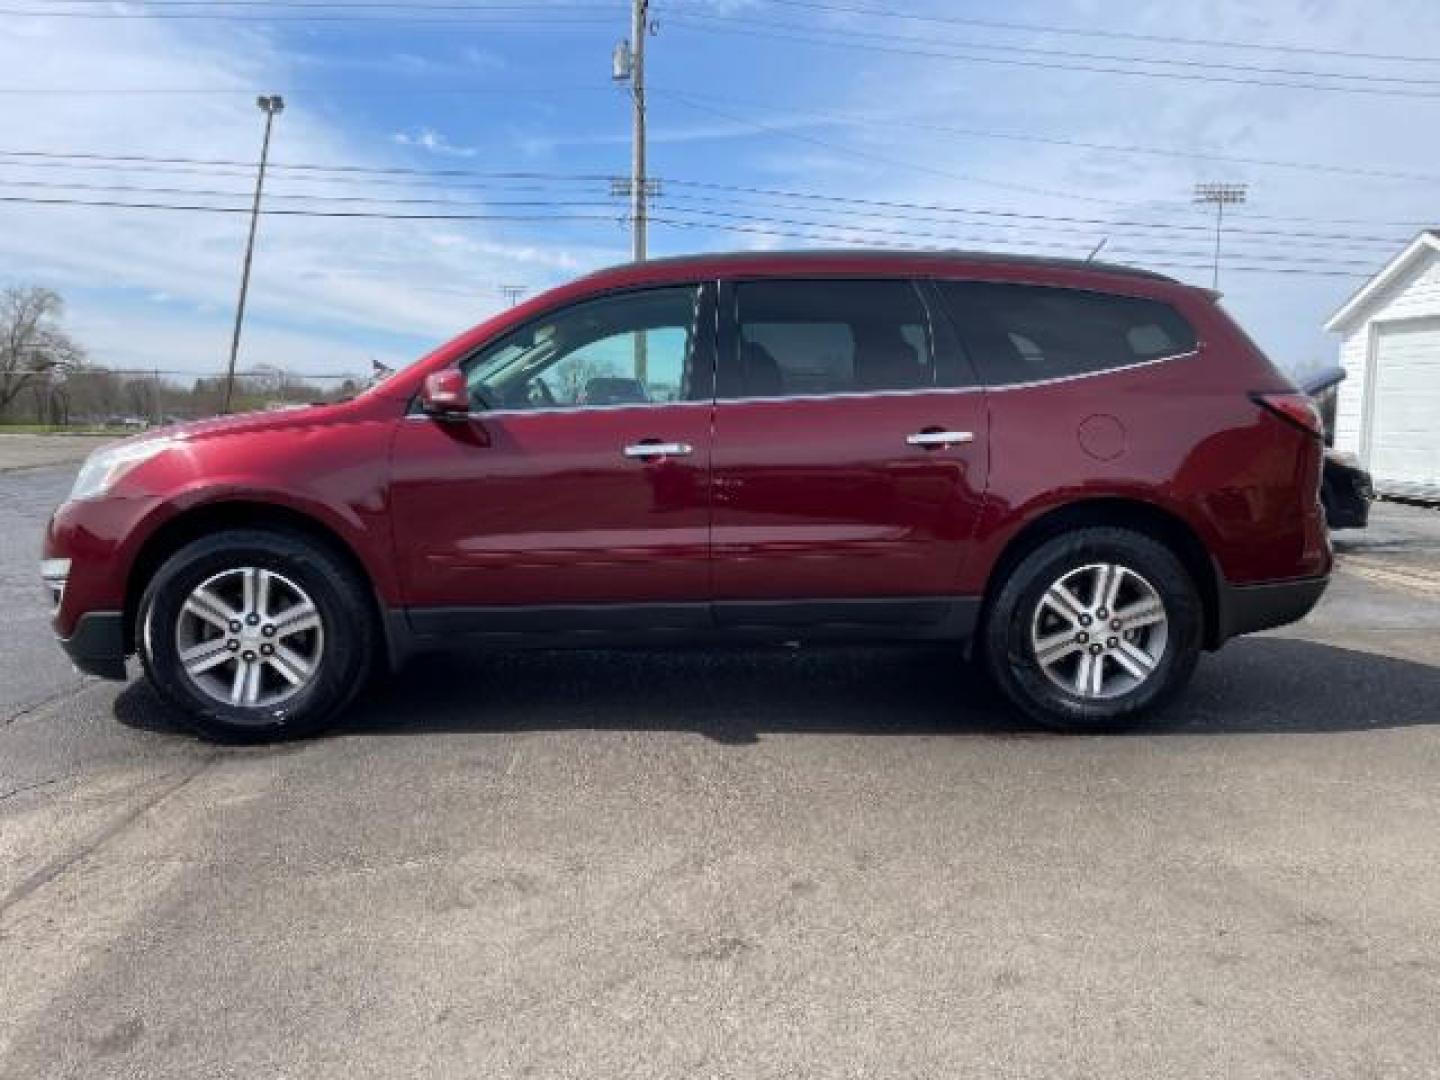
(580, 480)
(850, 451)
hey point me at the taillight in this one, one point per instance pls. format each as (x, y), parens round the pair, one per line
(1293, 408)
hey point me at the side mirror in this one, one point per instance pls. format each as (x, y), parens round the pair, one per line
(445, 395)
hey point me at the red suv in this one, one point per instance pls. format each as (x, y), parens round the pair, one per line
(1084, 474)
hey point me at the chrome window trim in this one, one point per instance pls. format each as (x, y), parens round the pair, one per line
(567, 409)
(1095, 374)
(850, 394)
(968, 389)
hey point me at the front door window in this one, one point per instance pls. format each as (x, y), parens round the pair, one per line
(629, 349)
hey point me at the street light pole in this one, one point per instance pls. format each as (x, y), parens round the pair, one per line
(271, 105)
(1218, 196)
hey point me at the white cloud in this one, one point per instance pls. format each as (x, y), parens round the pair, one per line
(431, 140)
(324, 290)
(898, 157)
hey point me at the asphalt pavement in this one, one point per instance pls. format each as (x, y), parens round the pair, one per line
(752, 864)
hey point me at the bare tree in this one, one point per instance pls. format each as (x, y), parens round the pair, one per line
(575, 372)
(32, 345)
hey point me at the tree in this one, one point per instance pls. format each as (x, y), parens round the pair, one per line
(32, 345)
(575, 372)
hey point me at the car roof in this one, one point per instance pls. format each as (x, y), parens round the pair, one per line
(883, 261)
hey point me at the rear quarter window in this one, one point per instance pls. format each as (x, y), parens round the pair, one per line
(1032, 333)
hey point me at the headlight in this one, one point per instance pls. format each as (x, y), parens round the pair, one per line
(107, 465)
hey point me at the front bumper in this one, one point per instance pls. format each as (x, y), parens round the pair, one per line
(1247, 609)
(97, 646)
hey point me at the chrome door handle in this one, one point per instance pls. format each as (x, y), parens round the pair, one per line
(658, 449)
(940, 438)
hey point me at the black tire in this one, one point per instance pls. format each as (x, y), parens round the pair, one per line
(1010, 656)
(346, 620)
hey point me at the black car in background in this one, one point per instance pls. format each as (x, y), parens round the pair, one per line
(1346, 491)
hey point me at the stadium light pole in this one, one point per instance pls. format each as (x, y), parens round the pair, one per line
(1219, 196)
(271, 105)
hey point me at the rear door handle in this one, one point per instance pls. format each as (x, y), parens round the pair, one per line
(647, 449)
(940, 438)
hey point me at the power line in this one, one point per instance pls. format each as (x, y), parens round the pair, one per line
(731, 223)
(331, 172)
(142, 189)
(892, 161)
(287, 212)
(1052, 224)
(347, 173)
(952, 239)
(245, 91)
(125, 160)
(428, 5)
(793, 234)
(1117, 35)
(990, 212)
(544, 23)
(598, 10)
(558, 186)
(893, 123)
(1030, 50)
(763, 226)
(912, 48)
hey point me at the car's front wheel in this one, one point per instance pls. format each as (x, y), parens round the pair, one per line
(256, 634)
(1094, 629)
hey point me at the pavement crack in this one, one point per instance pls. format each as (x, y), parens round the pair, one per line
(33, 707)
(30, 787)
(48, 873)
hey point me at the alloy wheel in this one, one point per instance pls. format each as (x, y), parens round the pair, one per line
(1099, 631)
(249, 637)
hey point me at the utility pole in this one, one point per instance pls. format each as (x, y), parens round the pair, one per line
(512, 293)
(1219, 196)
(271, 105)
(629, 66)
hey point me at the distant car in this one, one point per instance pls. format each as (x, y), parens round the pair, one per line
(1085, 472)
(1346, 490)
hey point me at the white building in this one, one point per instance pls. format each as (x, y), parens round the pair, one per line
(1388, 410)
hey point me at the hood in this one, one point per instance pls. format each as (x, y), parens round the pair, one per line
(277, 420)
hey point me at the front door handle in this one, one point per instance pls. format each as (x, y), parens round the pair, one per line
(645, 450)
(940, 438)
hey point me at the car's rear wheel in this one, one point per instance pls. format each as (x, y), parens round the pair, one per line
(256, 635)
(1094, 629)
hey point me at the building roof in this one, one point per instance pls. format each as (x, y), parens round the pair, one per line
(1426, 241)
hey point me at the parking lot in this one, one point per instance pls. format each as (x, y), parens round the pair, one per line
(755, 864)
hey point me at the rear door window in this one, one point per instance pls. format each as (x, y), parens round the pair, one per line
(824, 337)
(1032, 333)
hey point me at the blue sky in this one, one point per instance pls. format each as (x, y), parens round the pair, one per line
(772, 95)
